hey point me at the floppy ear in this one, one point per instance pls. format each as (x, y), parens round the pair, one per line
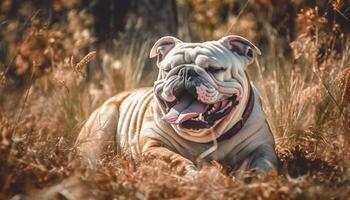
(162, 47)
(241, 46)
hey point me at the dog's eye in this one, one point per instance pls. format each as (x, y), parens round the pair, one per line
(166, 70)
(214, 69)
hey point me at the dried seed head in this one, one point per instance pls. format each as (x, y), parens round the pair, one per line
(343, 83)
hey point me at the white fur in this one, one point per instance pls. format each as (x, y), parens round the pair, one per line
(191, 144)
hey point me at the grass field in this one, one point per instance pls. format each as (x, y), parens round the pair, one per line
(53, 75)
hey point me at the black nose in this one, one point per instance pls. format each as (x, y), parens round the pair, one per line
(187, 82)
(187, 73)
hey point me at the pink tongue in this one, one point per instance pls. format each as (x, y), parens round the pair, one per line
(185, 110)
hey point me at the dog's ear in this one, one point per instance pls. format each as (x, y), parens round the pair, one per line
(162, 47)
(241, 46)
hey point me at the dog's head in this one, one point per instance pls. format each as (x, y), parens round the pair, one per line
(202, 84)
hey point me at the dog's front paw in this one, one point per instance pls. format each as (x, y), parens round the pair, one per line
(264, 160)
(262, 166)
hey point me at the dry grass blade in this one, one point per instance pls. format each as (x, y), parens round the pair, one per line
(78, 68)
(239, 14)
(343, 82)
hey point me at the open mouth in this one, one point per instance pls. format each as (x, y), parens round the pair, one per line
(188, 112)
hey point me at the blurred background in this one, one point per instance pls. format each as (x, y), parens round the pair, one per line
(59, 60)
(37, 36)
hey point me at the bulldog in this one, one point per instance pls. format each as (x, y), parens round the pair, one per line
(202, 106)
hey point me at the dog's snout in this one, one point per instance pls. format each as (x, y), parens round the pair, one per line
(187, 82)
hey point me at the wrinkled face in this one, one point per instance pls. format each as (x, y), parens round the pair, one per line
(199, 84)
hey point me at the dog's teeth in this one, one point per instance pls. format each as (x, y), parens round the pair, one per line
(201, 117)
(216, 106)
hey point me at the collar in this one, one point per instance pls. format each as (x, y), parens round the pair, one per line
(239, 125)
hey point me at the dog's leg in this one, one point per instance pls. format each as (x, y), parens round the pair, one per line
(156, 149)
(97, 133)
(263, 159)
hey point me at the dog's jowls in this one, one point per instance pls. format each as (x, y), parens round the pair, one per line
(202, 96)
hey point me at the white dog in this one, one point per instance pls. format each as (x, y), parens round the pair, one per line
(201, 106)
